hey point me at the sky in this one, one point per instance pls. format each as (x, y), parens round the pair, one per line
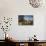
(28, 17)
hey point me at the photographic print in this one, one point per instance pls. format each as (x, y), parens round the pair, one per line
(25, 19)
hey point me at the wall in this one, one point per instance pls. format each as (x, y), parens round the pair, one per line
(12, 8)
